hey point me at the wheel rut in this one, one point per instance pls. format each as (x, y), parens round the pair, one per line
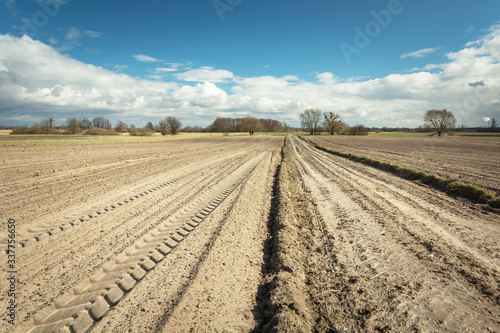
(92, 298)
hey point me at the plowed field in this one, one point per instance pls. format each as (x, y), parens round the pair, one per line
(473, 161)
(239, 234)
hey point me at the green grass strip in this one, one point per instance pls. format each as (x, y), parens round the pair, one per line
(471, 192)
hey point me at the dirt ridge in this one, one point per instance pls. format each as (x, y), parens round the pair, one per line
(449, 186)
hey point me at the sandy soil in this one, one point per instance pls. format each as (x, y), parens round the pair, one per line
(398, 256)
(114, 236)
(473, 161)
(239, 234)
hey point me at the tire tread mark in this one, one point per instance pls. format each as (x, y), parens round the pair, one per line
(44, 230)
(93, 297)
(39, 233)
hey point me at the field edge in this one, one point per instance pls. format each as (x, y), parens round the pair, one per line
(453, 187)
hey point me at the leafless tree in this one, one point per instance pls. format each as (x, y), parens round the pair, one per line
(439, 120)
(73, 125)
(85, 123)
(310, 120)
(101, 122)
(170, 124)
(331, 122)
(47, 125)
(121, 127)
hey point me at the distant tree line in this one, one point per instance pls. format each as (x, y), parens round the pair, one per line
(315, 121)
(168, 125)
(312, 120)
(248, 124)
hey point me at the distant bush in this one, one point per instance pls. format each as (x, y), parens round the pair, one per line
(358, 130)
(21, 130)
(99, 131)
(141, 132)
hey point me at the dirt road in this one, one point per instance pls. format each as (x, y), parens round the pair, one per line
(239, 234)
(402, 257)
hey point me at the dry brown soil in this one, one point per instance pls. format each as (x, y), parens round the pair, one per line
(239, 234)
(473, 161)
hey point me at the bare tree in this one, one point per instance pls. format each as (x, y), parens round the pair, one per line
(150, 126)
(121, 127)
(439, 120)
(73, 125)
(47, 125)
(310, 120)
(101, 122)
(251, 125)
(85, 123)
(331, 122)
(342, 128)
(170, 124)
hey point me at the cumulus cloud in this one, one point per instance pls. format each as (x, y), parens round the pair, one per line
(420, 53)
(36, 80)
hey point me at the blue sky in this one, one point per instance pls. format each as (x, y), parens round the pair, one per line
(380, 63)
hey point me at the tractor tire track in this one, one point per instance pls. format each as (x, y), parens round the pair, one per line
(92, 298)
(118, 227)
(46, 229)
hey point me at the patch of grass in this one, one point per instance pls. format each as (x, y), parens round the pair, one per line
(468, 191)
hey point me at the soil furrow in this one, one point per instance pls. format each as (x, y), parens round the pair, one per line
(394, 258)
(98, 305)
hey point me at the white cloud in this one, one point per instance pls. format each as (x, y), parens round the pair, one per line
(426, 68)
(53, 41)
(420, 53)
(205, 74)
(35, 79)
(120, 67)
(163, 69)
(145, 58)
(93, 34)
(73, 34)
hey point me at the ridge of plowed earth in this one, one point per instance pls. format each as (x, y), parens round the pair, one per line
(404, 258)
(470, 161)
(32, 177)
(39, 231)
(50, 268)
